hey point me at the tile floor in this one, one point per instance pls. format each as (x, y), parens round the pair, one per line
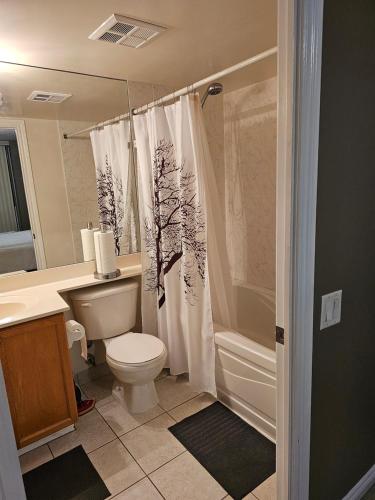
(136, 456)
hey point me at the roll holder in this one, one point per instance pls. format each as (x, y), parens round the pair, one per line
(107, 276)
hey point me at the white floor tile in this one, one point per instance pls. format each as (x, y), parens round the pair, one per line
(34, 458)
(100, 390)
(116, 466)
(152, 445)
(185, 478)
(173, 391)
(266, 490)
(190, 407)
(91, 432)
(143, 490)
(121, 421)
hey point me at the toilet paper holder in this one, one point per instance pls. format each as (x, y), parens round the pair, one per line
(105, 244)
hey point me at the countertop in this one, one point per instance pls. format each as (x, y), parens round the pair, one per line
(45, 299)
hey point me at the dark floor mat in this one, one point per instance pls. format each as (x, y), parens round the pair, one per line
(69, 476)
(233, 452)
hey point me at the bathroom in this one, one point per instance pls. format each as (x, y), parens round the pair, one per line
(114, 339)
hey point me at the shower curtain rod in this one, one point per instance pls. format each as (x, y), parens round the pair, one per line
(183, 91)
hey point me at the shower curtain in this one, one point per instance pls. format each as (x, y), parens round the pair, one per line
(114, 178)
(173, 184)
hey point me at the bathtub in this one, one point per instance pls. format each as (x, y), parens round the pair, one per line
(246, 365)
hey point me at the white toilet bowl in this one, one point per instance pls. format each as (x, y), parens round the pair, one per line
(135, 360)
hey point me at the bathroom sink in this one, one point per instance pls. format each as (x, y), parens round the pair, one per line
(12, 305)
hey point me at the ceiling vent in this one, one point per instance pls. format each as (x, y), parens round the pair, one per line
(126, 31)
(41, 96)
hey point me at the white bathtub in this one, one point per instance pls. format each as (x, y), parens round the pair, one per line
(246, 368)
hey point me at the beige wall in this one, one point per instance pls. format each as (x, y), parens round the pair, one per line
(250, 182)
(49, 180)
(141, 93)
(241, 131)
(80, 179)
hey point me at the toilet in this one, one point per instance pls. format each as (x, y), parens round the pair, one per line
(108, 313)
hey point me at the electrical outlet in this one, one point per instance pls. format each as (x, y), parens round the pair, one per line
(331, 309)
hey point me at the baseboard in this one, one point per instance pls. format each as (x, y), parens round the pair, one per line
(363, 485)
(46, 439)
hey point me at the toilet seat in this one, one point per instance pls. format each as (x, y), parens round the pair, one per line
(134, 349)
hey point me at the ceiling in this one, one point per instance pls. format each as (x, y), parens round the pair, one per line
(203, 36)
(93, 99)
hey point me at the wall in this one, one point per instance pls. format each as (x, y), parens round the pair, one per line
(343, 402)
(49, 181)
(141, 93)
(250, 182)
(79, 172)
(241, 131)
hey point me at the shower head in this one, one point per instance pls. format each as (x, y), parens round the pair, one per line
(212, 89)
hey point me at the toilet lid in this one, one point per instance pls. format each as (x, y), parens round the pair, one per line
(135, 348)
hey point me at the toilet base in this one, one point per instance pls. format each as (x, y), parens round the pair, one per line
(135, 398)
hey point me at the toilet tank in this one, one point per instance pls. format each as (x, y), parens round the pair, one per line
(106, 310)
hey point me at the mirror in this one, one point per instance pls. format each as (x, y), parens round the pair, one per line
(61, 168)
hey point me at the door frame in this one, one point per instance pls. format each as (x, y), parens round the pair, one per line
(27, 174)
(300, 27)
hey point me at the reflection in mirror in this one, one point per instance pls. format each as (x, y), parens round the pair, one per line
(16, 241)
(65, 161)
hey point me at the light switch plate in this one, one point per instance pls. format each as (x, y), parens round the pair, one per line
(331, 309)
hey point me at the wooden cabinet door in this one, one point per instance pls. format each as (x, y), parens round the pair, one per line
(38, 378)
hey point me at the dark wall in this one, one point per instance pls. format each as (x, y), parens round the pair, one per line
(343, 388)
(22, 211)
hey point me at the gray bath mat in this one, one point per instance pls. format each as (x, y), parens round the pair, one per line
(70, 476)
(233, 452)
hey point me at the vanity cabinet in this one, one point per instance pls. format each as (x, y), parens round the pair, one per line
(38, 378)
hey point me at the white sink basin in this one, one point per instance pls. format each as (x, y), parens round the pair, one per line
(12, 305)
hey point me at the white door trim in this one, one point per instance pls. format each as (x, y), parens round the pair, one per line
(361, 488)
(300, 50)
(285, 101)
(308, 36)
(19, 126)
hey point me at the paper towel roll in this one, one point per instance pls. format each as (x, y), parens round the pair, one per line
(74, 332)
(88, 246)
(105, 252)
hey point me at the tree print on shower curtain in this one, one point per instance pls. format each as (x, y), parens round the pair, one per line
(110, 202)
(176, 227)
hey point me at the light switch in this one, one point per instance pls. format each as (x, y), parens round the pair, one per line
(331, 309)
